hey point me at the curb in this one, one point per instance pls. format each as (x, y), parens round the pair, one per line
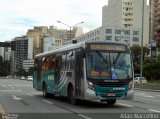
(151, 90)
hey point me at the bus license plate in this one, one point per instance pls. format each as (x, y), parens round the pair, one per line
(111, 94)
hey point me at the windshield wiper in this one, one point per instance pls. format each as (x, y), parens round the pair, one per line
(100, 55)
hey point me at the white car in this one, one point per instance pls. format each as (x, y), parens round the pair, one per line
(138, 80)
(22, 78)
(29, 78)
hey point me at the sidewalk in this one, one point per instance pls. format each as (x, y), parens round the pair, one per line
(151, 90)
(147, 87)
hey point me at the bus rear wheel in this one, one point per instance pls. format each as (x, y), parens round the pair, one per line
(71, 97)
(45, 94)
(111, 102)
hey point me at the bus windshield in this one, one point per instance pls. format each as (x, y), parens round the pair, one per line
(108, 65)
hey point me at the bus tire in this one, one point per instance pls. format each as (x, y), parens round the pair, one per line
(71, 97)
(45, 94)
(111, 102)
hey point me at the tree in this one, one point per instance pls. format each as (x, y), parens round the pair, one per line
(152, 70)
(136, 51)
(4, 67)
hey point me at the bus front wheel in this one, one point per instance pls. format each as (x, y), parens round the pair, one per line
(45, 94)
(111, 102)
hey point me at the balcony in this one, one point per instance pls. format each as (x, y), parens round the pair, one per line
(155, 5)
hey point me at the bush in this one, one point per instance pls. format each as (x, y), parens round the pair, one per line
(152, 70)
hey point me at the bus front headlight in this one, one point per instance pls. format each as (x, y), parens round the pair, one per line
(90, 85)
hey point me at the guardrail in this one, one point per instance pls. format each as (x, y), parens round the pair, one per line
(147, 86)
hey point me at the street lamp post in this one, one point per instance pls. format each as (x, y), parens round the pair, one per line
(141, 64)
(70, 27)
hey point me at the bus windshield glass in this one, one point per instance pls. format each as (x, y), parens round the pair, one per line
(108, 65)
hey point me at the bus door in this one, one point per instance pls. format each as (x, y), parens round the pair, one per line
(36, 75)
(57, 71)
(78, 72)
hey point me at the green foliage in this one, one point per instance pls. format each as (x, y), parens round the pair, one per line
(154, 81)
(136, 51)
(4, 67)
(152, 70)
(22, 72)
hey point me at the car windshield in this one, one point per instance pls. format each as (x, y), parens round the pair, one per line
(108, 65)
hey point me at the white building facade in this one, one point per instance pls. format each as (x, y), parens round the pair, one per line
(127, 13)
(131, 36)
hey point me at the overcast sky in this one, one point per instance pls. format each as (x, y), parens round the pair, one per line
(17, 16)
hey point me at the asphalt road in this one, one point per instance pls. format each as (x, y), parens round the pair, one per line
(20, 101)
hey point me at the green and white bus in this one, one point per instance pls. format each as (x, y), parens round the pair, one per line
(95, 71)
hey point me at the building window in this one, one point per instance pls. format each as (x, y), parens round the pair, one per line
(117, 38)
(108, 37)
(126, 41)
(135, 39)
(135, 32)
(109, 31)
(117, 31)
(125, 25)
(127, 32)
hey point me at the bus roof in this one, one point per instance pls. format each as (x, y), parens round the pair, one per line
(73, 46)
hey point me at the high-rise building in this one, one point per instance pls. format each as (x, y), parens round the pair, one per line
(155, 21)
(2, 52)
(37, 35)
(59, 36)
(127, 13)
(23, 51)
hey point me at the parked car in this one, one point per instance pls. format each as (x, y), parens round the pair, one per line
(29, 78)
(22, 78)
(138, 80)
(136, 75)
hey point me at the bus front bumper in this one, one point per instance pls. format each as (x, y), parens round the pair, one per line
(91, 95)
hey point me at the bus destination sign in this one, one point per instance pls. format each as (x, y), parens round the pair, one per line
(108, 47)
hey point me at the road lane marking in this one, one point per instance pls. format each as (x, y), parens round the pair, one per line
(10, 91)
(149, 96)
(23, 85)
(140, 94)
(149, 99)
(125, 104)
(16, 98)
(48, 102)
(152, 110)
(9, 85)
(37, 93)
(30, 94)
(81, 115)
